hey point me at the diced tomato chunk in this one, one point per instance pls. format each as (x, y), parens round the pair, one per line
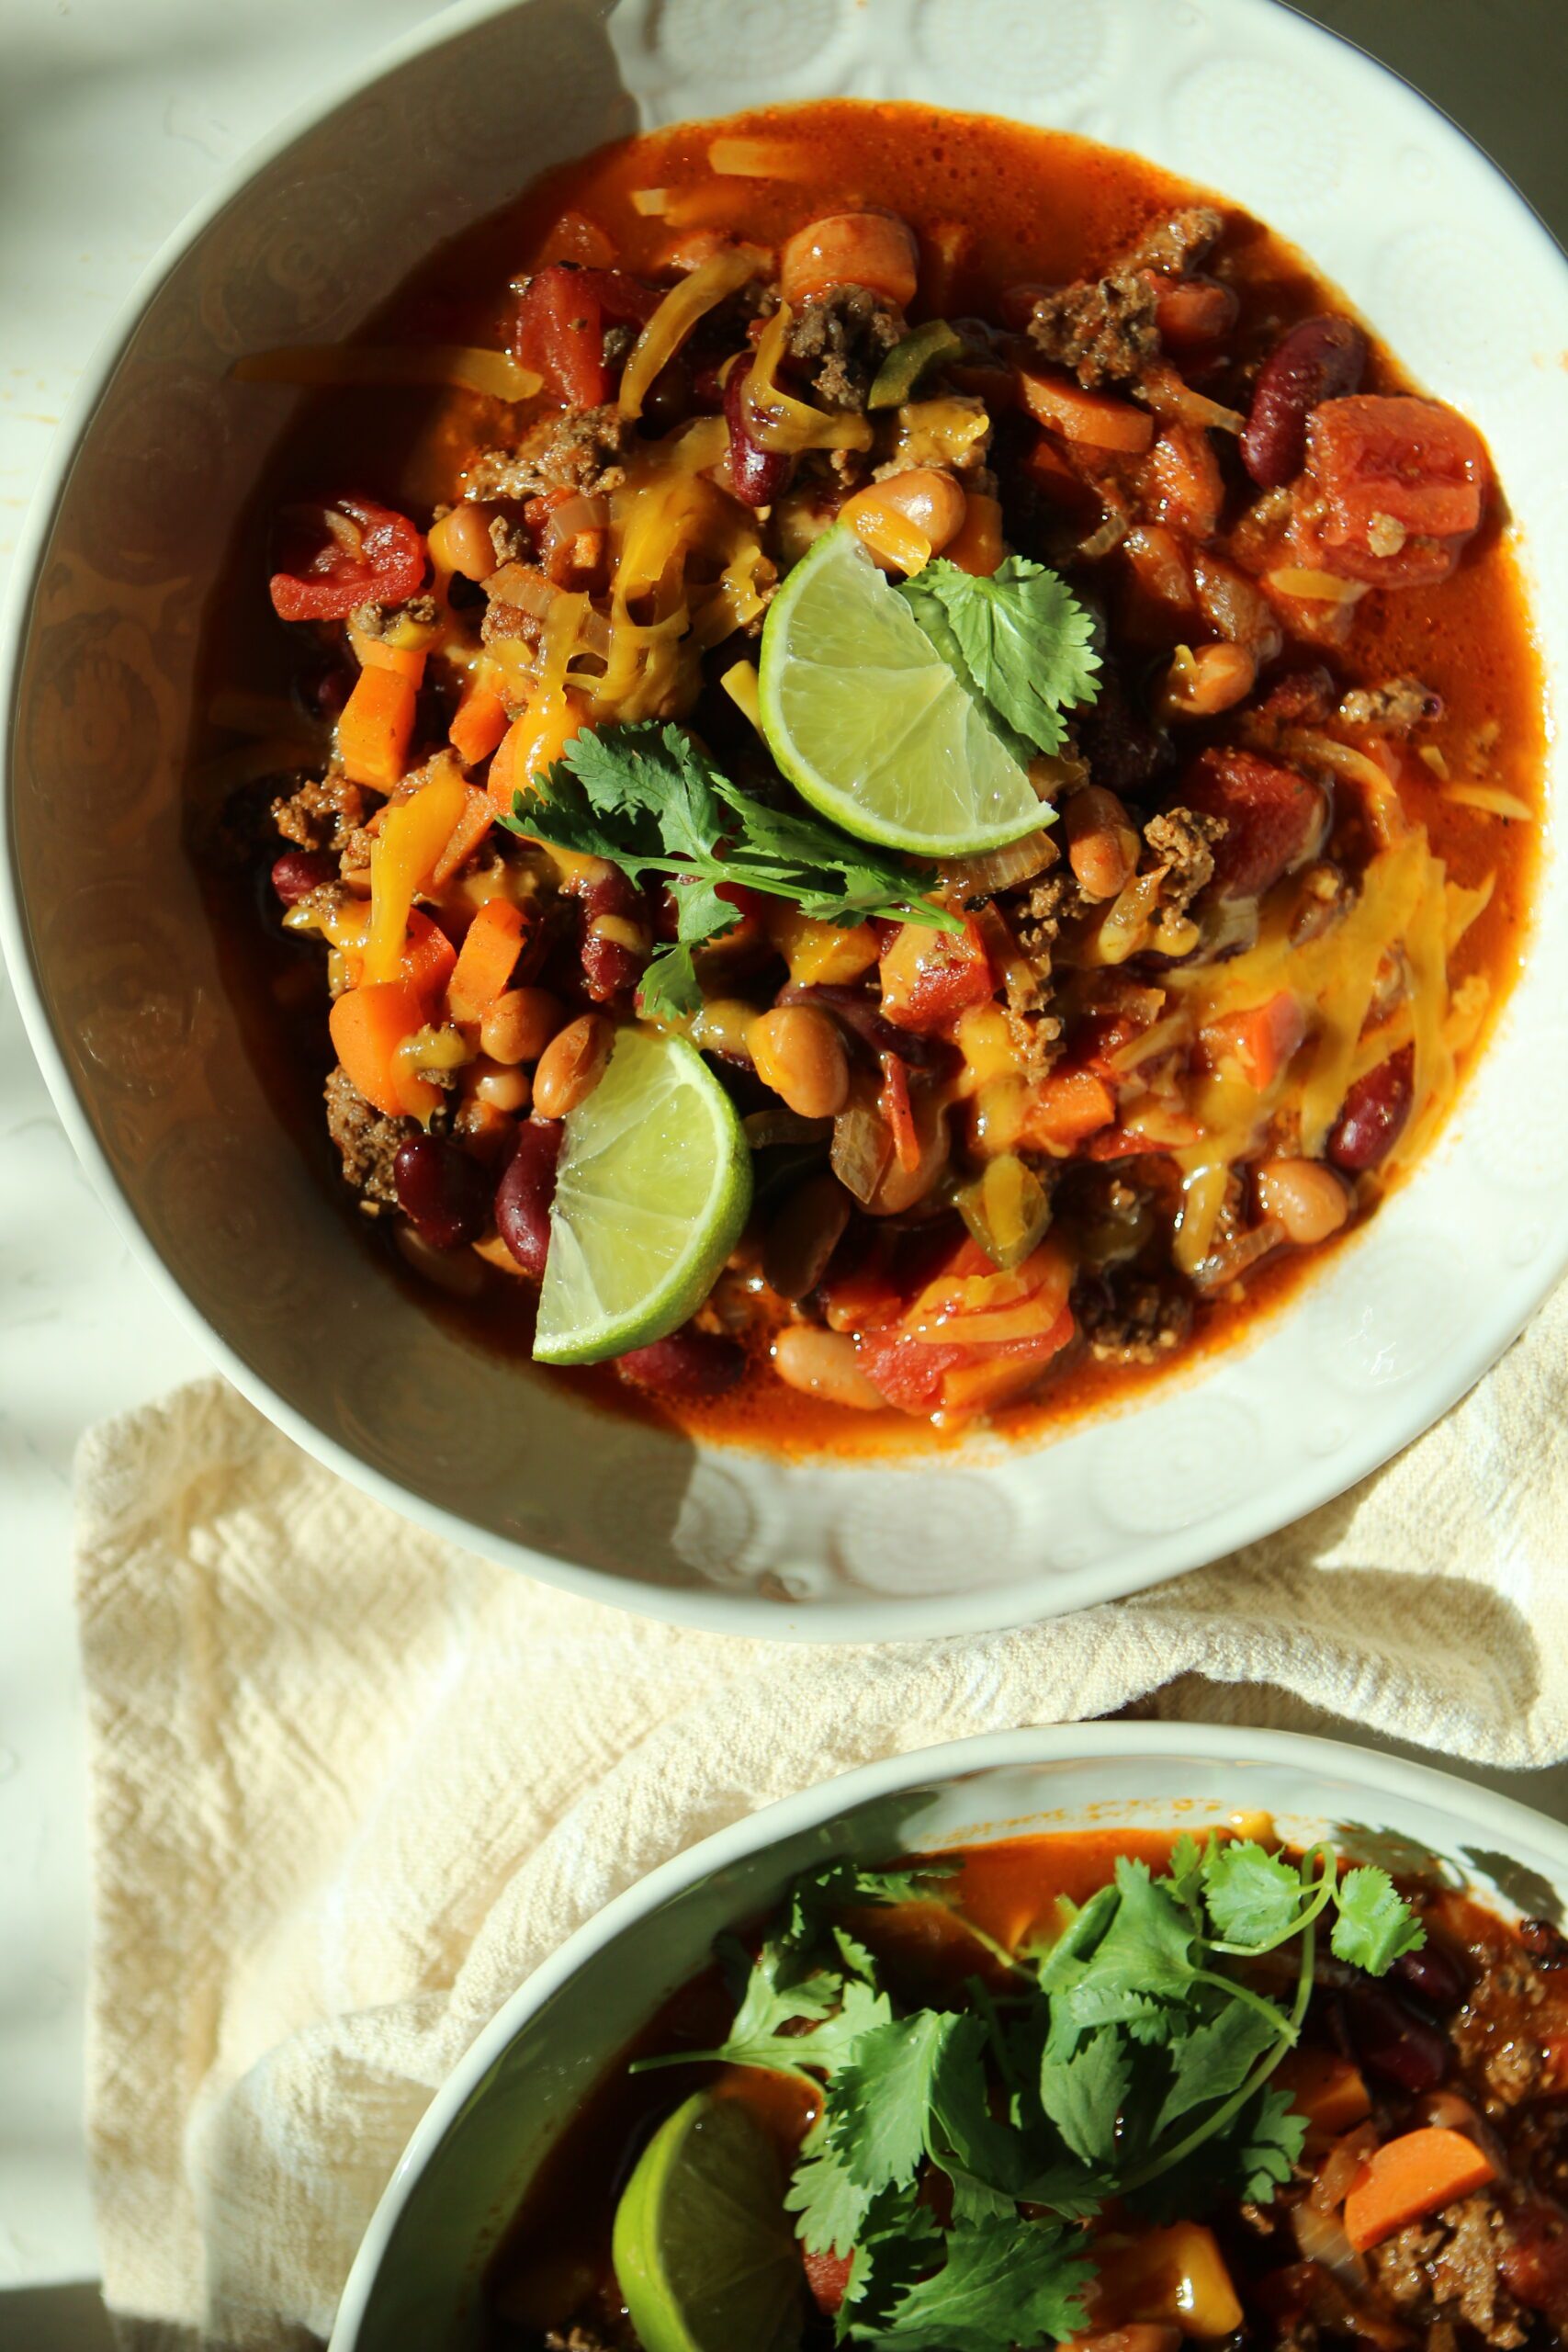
(1188, 490)
(349, 553)
(973, 1337)
(559, 329)
(930, 977)
(1274, 818)
(1387, 464)
(827, 2276)
(1065, 1108)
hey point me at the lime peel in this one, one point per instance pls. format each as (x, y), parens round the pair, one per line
(703, 2251)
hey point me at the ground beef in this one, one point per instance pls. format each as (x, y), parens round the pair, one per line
(1132, 1322)
(1038, 913)
(375, 620)
(1447, 2270)
(321, 813)
(583, 449)
(1103, 329)
(367, 1140)
(506, 623)
(1183, 843)
(1490, 2036)
(842, 337)
(1395, 707)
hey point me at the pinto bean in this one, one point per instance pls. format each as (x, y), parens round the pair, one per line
(688, 1363)
(571, 1065)
(825, 1364)
(1319, 360)
(1102, 843)
(798, 1052)
(758, 475)
(460, 541)
(1374, 1114)
(519, 1024)
(527, 1189)
(1219, 677)
(1304, 1196)
(927, 500)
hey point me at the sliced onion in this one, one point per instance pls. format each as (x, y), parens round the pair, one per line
(1169, 395)
(763, 1129)
(1321, 2238)
(572, 516)
(863, 1148)
(523, 587)
(998, 869)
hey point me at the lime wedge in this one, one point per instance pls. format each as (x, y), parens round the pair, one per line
(872, 726)
(702, 2248)
(652, 1188)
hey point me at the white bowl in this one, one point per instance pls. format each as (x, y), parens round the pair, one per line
(115, 969)
(417, 2276)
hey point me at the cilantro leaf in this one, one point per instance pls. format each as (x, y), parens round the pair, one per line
(646, 795)
(897, 2246)
(886, 2091)
(1254, 1898)
(1082, 2095)
(1375, 1924)
(1020, 639)
(1246, 2162)
(1005, 2282)
(831, 2204)
(1213, 2060)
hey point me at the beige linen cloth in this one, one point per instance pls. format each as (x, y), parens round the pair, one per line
(350, 1785)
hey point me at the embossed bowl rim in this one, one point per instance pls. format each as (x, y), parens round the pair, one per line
(973, 1790)
(1146, 1558)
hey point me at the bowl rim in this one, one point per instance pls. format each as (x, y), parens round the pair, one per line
(1506, 1822)
(872, 1616)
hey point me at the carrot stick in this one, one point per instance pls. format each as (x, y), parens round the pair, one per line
(531, 742)
(375, 730)
(374, 653)
(1327, 2089)
(478, 726)
(1068, 1106)
(1411, 2175)
(979, 547)
(1092, 417)
(485, 959)
(478, 815)
(368, 1026)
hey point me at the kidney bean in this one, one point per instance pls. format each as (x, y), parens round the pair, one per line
(1544, 1943)
(1393, 2040)
(1374, 1113)
(523, 1195)
(1319, 360)
(688, 1363)
(299, 871)
(1433, 1974)
(617, 936)
(444, 1192)
(758, 474)
(1533, 2258)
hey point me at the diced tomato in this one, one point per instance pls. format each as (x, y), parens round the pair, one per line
(1185, 474)
(1192, 311)
(1065, 1108)
(1274, 817)
(1261, 1040)
(930, 977)
(827, 2276)
(971, 1316)
(371, 554)
(559, 331)
(1390, 463)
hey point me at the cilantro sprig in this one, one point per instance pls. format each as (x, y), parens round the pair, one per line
(647, 797)
(1127, 2056)
(1019, 641)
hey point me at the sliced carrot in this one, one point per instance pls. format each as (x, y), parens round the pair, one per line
(426, 962)
(478, 726)
(375, 727)
(1417, 2174)
(1095, 418)
(979, 547)
(368, 1026)
(531, 742)
(897, 1111)
(1327, 2089)
(374, 653)
(484, 964)
(1261, 1040)
(477, 817)
(414, 834)
(1065, 1108)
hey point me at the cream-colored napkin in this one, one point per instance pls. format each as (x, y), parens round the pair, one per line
(350, 1785)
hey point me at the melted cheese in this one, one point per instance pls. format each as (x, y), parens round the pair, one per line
(667, 330)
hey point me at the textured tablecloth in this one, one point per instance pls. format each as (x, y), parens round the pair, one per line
(350, 1785)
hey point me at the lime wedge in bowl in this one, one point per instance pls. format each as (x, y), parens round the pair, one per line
(702, 2245)
(872, 726)
(652, 1189)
